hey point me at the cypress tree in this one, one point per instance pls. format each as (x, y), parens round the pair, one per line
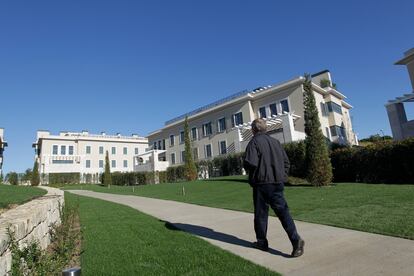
(107, 179)
(319, 168)
(190, 167)
(35, 177)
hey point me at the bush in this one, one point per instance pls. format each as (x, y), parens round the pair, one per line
(296, 152)
(132, 178)
(64, 178)
(382, 162)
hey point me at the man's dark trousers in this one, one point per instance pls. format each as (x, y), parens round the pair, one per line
(271, 194)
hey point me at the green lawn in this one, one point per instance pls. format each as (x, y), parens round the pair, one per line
(119, 240)
(376, 208)
(10, 194)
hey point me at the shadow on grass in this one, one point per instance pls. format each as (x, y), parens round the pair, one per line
(240, 180)
(211, 234)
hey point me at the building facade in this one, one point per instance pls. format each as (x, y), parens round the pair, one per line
(223, 127)
(84, 153)
(401, 127)
(3, 145)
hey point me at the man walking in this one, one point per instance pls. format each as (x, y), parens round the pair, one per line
(268, 166)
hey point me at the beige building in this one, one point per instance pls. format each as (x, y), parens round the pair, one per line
(401, 127)
(3, 144)
(223, 127)
(84, 153)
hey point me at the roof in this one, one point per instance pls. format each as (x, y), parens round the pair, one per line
(408, 57)
(230, 99)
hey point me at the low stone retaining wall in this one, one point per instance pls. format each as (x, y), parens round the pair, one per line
(30, 221)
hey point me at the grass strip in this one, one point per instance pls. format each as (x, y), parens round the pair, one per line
(119, 240)
(376, 208)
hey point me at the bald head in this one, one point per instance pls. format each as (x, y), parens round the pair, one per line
(259, 126)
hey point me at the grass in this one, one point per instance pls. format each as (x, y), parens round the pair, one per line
(376, 208)
(119, 240)
(11, 195)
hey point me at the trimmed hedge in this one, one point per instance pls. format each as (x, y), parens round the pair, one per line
(64, 178)
(381, 162)
(137, 178)
(296, 152)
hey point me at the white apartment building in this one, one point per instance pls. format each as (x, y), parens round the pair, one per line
(401, 127)
(3, 144)
(223, 127)
(84, 153)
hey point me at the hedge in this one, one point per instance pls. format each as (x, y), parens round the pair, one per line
(381, 162)
(64, 178)
(137, 178)
(296, 152)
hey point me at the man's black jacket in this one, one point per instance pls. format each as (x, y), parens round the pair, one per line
(266, 160)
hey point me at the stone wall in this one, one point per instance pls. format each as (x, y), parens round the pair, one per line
(30, 221)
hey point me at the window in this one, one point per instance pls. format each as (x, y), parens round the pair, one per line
(207, 151)
(237, 119)
(183, 156)
(55, 150)
(273, 109)
(88, 149)
(207, 130)
(101, 164)
(125, 163)
(221, 125)
(113, 150)
(62, 150)
(62, 161)
(324, 109)
(222, 147)
(163, 144)
(159, 145)
(338, 131)
(155, 145)
(262, 112)
(182, 137)
(88, 163)
(113, 163)
(136, 151)
(171, 140)
(334, 107)
(285, 106)
(70, 150)
(195, 154)
(125, 150)
(101, 150)
(172, 158)
(194, 133)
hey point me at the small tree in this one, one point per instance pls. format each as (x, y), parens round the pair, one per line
(107, 179)
(1, 178)
(35, 177)
(12, 178)
(190, 167)
(319, 168)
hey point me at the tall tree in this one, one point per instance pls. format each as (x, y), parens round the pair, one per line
(190, 167)
(107, 178)
(35, 177)
(319, 168)
(12, 178)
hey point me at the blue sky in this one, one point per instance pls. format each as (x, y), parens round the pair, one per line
(128, 66)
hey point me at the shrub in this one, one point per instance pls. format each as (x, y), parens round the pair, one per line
(296, 152)
(64, 178)
(382, 162)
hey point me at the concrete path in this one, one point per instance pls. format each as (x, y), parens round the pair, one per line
(328, 250)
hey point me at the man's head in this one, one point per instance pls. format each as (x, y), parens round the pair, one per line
(258, 126)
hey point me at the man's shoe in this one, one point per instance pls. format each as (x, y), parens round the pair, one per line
(298, 248)
(260, 246)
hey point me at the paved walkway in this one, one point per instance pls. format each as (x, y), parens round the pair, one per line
(328, 250)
